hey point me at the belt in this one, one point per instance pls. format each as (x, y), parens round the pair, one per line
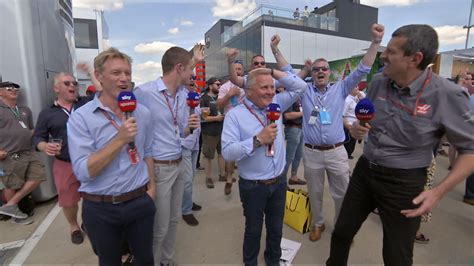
(167, 161)
(115, 199)
(16, 155)
(323, 148)
(267, 182)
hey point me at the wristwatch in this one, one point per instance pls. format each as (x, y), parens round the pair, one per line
(256, 142)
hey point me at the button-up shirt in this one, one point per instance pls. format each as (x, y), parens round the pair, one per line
(331, 100)
(349, 108)
(399, 139)
(89, 131)
(240, 125)
(170, 115)
(52, 121)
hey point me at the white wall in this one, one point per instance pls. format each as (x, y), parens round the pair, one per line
(297, 46)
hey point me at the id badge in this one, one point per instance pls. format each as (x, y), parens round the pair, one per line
(270, 150)
(22, 124)
(133, 155)
(314, 116)
(176, 131)
(325, 117)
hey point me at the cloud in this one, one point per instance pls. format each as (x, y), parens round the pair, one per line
(234, 9)
(99, 4)
(156, 47)
(187, 23)
(380, 3)
(174, 31)
(451, 34)
(147, 71)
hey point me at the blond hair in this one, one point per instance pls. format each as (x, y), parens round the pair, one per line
(108, 54)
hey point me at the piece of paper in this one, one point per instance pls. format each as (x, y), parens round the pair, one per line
(289, 249)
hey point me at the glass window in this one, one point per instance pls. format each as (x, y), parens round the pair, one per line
(85, 33)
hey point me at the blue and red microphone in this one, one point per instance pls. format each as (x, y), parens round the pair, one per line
(273, 114)
(364, 111)
(193, 101)
(127, 104)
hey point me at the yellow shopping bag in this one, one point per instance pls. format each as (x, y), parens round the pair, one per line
(298, 210)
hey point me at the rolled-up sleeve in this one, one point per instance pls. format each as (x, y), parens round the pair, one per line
(458, 120)
(234, 149)
(81, 146)
(149, 137)
(295, 87)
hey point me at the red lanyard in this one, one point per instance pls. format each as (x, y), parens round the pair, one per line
(254, 114)
(175, 115)
(404, 107)
(107, 115)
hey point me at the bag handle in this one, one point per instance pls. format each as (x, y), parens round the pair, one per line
(291, 200)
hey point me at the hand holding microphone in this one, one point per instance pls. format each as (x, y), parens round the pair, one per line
(364, 111)
(193, 101)
(273, 114)
(127, 104)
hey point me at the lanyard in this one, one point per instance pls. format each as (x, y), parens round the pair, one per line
(66, 111)
(320, 99)
(254, 114)
(107, 115)
(175, 115)
(418, 96)
(16, 112)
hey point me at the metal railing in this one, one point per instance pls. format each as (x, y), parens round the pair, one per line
(282, 15)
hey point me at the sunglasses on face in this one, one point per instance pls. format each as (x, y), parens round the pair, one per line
(11, 89)
(256, 63)
(317, 69)
(218, 84)
(69, 83)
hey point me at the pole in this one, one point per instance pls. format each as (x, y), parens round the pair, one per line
(468, 27)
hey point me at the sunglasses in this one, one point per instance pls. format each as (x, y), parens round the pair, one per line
(317, 69)
(218, 84)
(11, 89)
(69, 83)
(256, 63)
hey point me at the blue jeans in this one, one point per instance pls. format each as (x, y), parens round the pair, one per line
(259, 200)
(108, 225)
(469, 188)
(189, 161)
(294, 149)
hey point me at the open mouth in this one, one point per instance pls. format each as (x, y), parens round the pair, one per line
(320, 77)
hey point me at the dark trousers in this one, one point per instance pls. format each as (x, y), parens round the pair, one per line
(259, 200)
(469, 194)
(389, 190)
(349, 143)
(109, 225)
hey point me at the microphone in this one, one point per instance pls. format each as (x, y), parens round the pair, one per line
(127, 104)
(193, 101)
(273, 114)
(364, 111)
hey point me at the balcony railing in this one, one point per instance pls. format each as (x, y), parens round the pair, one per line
(282, 15)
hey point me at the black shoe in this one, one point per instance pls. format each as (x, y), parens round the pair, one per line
(190, 219)
(196, 207)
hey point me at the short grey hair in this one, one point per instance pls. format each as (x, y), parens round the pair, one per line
(60, 74)
(252, 77)
(419, 38)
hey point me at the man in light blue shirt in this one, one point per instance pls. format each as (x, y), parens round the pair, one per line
(111, 185)
(323, 134)
(246, 137)
(166, 99)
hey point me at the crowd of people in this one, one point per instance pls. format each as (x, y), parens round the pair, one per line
(134, 173)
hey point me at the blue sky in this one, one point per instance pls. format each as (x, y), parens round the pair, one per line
(144, 29)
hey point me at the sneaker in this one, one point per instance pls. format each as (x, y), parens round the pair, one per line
(13, 211)
(25, 221)
(196, 207)
(190, 219)
(209, 183)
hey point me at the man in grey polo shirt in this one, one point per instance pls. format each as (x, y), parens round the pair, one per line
(414, 108)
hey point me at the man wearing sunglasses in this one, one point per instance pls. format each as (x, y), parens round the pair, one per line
(323, 134)
(21, 171)
(52, 125)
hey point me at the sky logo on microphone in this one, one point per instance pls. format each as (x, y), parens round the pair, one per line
(127, 101)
